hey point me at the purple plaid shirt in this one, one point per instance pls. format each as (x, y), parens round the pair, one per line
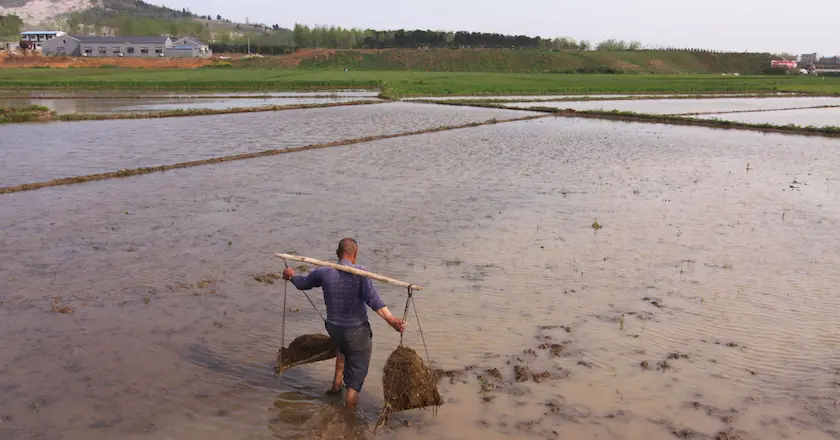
(344, 293)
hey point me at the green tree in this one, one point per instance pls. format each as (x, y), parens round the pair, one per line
(10, 26)
(612, 45)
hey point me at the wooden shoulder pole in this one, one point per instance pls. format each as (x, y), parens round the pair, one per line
(349, 269)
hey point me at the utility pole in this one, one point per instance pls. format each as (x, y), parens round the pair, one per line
(249, 45)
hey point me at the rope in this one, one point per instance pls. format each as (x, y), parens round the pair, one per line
(422, 337)
(405, 313)
(304, 294)
(410, 302)
(314, 306)
(283, 328)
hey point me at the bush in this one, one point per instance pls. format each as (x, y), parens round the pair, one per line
(218, 65)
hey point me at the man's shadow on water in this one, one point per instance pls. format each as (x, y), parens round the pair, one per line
(302, 409)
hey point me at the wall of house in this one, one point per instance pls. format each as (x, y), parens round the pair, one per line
(127, 50)
(181, 52)
(72, 47)
(61, 46)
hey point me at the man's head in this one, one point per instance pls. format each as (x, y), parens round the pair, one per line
(347, 250)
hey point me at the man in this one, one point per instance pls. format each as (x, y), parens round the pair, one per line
(347, 324)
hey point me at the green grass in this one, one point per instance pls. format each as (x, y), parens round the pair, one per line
(405, 83)
(539, 61)
(24, 114)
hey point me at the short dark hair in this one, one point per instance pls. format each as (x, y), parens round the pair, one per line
(347, 246)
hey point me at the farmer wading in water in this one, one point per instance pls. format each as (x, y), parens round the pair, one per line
(346, 295)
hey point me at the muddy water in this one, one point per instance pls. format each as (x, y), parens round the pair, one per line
(33, 153)
(680, 106)
(545, 97)
(738, 268)
(149, 104)
(804, 117)
(41, 94)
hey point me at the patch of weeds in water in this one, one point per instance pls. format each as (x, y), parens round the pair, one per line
(147, 299)
(541, 377)
(452, 263)
(677, 355)
(585, 364)
(727, 435)
(268, 278)
(204, 283)
(520, 373)
(596, 226)
(302, 268)
(59, 307)
(494, 372)
(485, 386)
(645, 365)
(684, 433)
(664, 365)
(653, 301)
(621, 322)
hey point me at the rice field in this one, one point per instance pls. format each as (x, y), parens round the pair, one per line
(406, 83)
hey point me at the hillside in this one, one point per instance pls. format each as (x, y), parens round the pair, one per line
(522, 61)
(34, 12)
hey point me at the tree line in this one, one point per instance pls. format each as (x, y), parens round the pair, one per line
(336, 37)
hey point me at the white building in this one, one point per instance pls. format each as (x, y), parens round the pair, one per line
(808, 58)
(39, 37)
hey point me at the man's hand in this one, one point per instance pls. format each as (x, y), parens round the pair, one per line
(288, 273)
(397, 323)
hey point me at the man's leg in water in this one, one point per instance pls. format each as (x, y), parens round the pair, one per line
(356, 362)
(352, 399)
(338, 381)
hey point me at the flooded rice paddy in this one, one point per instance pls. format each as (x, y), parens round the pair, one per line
(684, 106)
(33, 153)
(803, 117)
(704, 305)
(152, 104)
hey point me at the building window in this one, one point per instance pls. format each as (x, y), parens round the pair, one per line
(158, 50)
(116, 50)
(144, 50)
(64, 41)
(88, 51)
(130, 50)
(103, 50)
(60, 51)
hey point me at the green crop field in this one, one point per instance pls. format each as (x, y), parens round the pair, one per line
(404, 83)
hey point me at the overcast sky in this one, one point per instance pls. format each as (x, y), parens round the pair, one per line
(739, 25)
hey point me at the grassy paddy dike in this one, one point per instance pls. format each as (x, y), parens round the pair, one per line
(37, 113)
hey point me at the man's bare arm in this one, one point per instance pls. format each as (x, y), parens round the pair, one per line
(397, 323)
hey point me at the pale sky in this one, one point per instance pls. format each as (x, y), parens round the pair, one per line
(755, 25)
